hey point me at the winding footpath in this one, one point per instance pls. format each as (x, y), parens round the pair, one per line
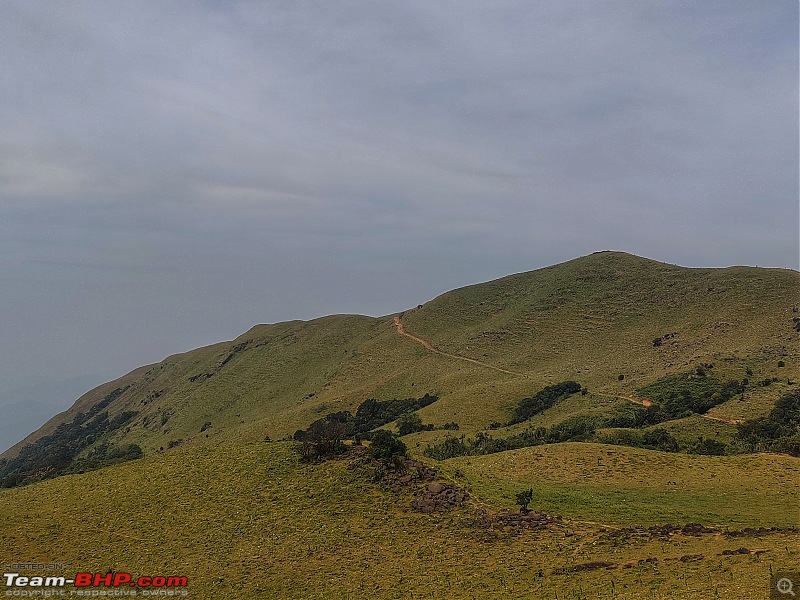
(398, 322)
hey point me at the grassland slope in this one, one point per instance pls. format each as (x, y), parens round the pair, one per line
(592, 319)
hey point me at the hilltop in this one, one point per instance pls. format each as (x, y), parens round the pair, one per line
(480, 349)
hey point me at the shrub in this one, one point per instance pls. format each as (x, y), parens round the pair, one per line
(387, 445)
(660, 439)
(372, 413)
(323, 439)
(450, 447)
(524, 498)
(409, 423)
(576, 428)
(623, 437)
(709, 447)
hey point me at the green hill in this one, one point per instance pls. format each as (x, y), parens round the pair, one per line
(593, 320)
(206, 497)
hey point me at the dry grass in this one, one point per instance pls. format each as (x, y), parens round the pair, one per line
(248, 521)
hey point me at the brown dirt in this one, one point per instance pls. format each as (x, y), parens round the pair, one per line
(398, 322)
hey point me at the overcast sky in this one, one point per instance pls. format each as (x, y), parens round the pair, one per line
(172, 173)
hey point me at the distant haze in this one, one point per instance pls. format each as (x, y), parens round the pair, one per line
(26, 408)
(172, 173)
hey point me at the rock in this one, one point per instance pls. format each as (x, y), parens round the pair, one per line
(691, 558)
(695, 529)
(739, 551)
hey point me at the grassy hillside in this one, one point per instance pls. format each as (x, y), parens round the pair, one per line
(621, 485)
(246, 520)
(592, 320)
(243, 518)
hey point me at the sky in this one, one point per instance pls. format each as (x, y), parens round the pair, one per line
(172, 173)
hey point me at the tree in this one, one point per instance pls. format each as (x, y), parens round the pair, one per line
(323, 438)
(524, 498)
(385, 444)
(409, 423)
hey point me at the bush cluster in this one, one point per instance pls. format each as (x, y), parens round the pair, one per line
(578, 428)
(325, 437)
(779, 431)
(543, 399)
(53, 454)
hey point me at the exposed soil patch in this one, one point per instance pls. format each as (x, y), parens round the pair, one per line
(660, 532)
(696, 529)
(691, 558)
(743, 551)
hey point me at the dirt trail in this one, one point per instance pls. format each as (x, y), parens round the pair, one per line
(721, 420)
(398, 322)
(641, 401)
(646, 403)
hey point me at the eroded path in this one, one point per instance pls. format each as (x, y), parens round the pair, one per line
(398, 322)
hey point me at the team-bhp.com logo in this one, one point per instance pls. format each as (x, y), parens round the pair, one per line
(112, 583)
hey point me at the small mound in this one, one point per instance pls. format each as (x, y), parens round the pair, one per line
(439, 496)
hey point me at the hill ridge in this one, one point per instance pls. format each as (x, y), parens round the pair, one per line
(589, 319)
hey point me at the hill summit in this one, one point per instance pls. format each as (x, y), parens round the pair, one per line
(613, 322)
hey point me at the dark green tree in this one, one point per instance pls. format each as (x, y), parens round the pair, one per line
(387, 445)
(409, 423)
(523, 499)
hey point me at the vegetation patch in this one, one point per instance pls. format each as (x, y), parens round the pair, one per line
(324, 437)
(678, 396)
(55, 454)
(777, 432)
(576, 428)
(543, 400)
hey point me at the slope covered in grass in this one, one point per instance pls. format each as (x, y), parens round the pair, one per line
(592, 320)
(247, 520)
(622, 485)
